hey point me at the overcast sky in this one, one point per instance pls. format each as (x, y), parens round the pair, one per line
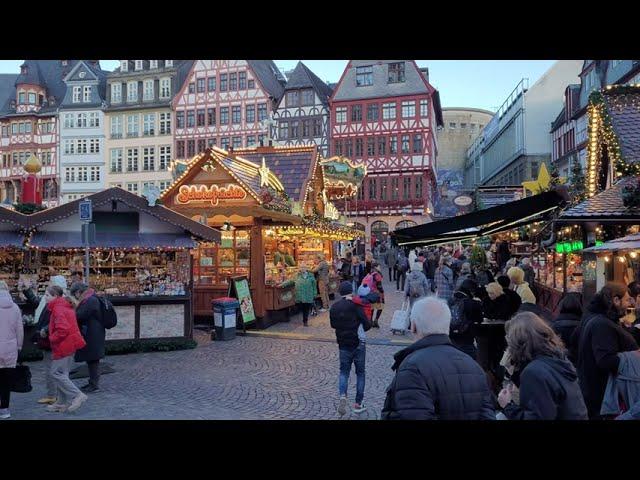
(462, 83)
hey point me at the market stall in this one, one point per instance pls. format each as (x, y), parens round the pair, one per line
(139, 257)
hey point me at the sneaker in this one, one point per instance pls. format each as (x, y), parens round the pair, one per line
(342, 406)
(322, 310)
(4, 413)
(57, 408)
(89, 388)
(47, 400)
(77, 402)
(359, 407)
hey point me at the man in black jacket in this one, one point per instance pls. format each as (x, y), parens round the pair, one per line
(514, 299)
(350, 323)
(468, 311)
(601, 338)
(434, 380)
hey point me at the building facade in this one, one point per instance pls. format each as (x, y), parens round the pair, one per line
(461, 127)
(226, 103)
(29, 126)
(302, 115)
(139, 123)
(81, 125)
(385, 113)
(517, 140)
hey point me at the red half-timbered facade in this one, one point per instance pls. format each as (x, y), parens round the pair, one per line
(385, 113)
(225, 103)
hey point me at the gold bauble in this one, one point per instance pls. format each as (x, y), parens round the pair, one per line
(32, 165)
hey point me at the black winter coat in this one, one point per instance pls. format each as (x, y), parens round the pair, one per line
(89, 314)
(564, 325)
(436, 381)
(601, 338)
(345, 317)
(549, 390)
(514, 301)
(473, 313)
(498, 309)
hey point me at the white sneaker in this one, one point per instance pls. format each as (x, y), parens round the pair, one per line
(322, 310)
(77, 402)
(342, 407)
(4, 413)
(359, 408)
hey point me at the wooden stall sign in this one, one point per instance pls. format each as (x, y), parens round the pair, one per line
(239, 288)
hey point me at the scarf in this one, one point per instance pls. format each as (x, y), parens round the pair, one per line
(57, 280)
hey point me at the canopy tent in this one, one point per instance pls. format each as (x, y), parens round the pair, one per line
(484, 222)
(630, 242)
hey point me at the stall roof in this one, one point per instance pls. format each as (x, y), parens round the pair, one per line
(491, 220)
(112, 240)
(630, 242)
(602, 207)
(17, 220)
(202, 232)
(11, 239)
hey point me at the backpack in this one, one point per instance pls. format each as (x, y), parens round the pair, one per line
(403, 264)
(109, 317)
(415, 288)
(459, 323)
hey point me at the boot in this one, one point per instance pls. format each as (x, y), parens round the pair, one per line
(375, 324)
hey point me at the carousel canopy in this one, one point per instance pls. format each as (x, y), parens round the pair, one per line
(484, 222)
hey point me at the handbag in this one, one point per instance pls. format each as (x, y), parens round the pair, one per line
(21, 382)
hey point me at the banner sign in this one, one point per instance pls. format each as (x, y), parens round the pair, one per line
(213, 194)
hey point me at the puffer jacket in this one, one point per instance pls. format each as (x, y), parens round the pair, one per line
(11, 331)
(345, 317)
(89, 315)
(549, 390)
(306, 288)
(436, 381)
(64, 334)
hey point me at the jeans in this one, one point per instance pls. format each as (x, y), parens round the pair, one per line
(66, 389)
(6, 376)
(305, 307)
(402, 276)
(357, 357)
(94, 372)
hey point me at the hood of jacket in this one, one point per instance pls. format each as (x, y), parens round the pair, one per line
(425, 342)
(629, 368)
(5, 300)
(567, 319)
(59, 303)
(562, 369)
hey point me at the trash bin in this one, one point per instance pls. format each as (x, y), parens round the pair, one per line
(224, 317)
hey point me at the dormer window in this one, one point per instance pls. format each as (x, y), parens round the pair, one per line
(396, 73)
(32, 98)
(124, 65)
(139, 64)
(168, 63)
(21, 98)
(153, 63)
(24, 70)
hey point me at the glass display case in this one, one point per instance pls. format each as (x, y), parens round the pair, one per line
(215, 263)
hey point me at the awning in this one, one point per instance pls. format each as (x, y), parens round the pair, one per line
(630, 242)
(11, 239)
(112, 240)
(484, 222)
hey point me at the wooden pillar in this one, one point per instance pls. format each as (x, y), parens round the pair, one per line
(257, 268)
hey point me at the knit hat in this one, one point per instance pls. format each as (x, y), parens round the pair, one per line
(363, 290)
(345, 288)
(59, 281)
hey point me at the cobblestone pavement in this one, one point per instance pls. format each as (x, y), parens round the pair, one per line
(246, 378)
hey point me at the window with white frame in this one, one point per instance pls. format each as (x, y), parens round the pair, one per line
(94, 145)
(116, 92)
(81, 120)
(86, 93)
(132, 159)
(148, 159)
(132, 91)
(147, 185)
(81, 146)
(77, 94)
(147, 93)
(69, 147)
(116, 160)
(388, 111)
(94, 119)
(424, 107)
(364, 76)
(139, 64)
(68, 120)
(149, 124)
(132, 125)
(83, 174)
(116, 126)
(132, 187)
(168, 63)
(165, 157)
(165, 87)
(124, 65)
(164, 185)
(165, 124)
(70, 174)
(408, 109)
(94, 174)
(341, 114)
(153, 63)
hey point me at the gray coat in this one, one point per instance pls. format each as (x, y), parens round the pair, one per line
(625, 384)
(392, 257)
(89, 321)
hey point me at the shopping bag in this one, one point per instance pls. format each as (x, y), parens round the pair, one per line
(400, 320)
(21, 382)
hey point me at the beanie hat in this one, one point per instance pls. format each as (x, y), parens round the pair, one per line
(363, 290)
(345, 288)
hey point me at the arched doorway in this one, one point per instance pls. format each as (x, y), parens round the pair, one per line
(379, 233)
(405, 224)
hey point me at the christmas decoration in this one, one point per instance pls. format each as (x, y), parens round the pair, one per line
(631, 194)
(578, 187)
(545, 180)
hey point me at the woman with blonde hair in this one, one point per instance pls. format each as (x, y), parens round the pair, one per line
(547, 381)
(516, 275)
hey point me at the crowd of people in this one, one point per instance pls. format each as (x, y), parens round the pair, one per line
(487, 350)
(69, 329)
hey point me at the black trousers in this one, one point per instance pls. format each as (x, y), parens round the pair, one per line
(393, 272)
(6, 376)
(400, 280)
(94, 372)
(305, 307)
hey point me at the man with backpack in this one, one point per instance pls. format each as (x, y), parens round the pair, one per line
(89, 311)
(417, 285)
(466, 312)
(402, 268)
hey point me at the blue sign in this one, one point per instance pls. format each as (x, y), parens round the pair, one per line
(86, 212)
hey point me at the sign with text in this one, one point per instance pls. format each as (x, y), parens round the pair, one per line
(86, 212)
(240, 286)
(209, 194)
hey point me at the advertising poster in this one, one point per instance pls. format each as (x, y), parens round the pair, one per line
(241, 285)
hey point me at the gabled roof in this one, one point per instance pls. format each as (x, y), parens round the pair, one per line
(136, 202)
(16, 220)
(269, 77)
(7, 87)
(302, 77)
(622, 105)
(32, 75)
(560, 119)
(293, 165)
(604, 206)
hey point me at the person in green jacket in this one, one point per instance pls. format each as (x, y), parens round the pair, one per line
(306, 289)
(284, 257)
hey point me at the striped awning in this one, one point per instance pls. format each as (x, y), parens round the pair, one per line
(112, 240)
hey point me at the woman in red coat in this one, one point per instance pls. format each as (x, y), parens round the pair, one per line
(65, 339)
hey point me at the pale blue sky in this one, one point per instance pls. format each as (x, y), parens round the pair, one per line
(462, 83)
